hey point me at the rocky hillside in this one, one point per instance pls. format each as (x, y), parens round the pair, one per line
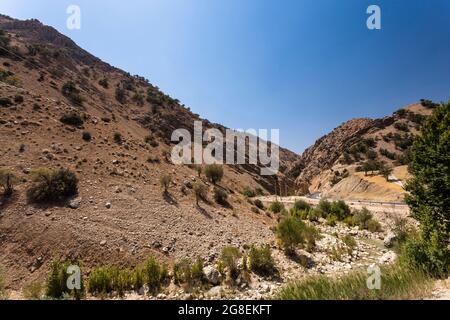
(61, 107)
(333, 165)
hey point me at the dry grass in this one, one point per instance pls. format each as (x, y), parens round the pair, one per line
(396, 284)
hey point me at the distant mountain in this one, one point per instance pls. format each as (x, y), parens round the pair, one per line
(337, 157)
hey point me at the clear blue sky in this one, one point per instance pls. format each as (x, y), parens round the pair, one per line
(304, 66)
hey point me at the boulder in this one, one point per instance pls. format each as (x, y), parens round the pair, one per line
(212, 275)
(389, 240)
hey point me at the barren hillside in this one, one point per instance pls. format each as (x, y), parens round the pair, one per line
(120, 214)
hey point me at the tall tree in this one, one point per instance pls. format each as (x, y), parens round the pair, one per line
(429, 189)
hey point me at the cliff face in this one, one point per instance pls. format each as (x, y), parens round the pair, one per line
(342, 152)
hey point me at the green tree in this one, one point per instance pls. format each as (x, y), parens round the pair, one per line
(429, 191)
(385, 170)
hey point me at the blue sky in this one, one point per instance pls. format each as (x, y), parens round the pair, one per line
(303, 66)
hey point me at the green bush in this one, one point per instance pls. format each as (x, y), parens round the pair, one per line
(72, 119)
(200, 191)
(220, 196)
(261, 261)
(7, 181)
(155, 274)
(276, 207)
(56, 286)
(292, 232)
(331, 220)
(52, 185)
(313, 215)
(229, 258)
(350, 242)
(324, 207)
(121, 95)
(301, 205)
(361, 218)
(117, 137)
(191, 274)
(71, 92)
(214, 173)
(373, 226)
(33, 291)
(248, 192)
(401, 126)
(340, 209)
(110, 279)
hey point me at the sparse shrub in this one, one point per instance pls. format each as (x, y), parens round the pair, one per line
(5, 102)
(301, 205)
(248, 192)
(19, 99)
(165, 181)
(117, 137)
(220, 196)
(7, 181)
(104, 83)
(121, 95)
(258, 203)
(331, 220)
(2, 286)
(371, 154)
(153, 159)
(229, 258)
(52, 185)
(86, 136)
(324, 207)
(255, 210)
(313, 215)
(261, 261)
(401, 126)
(340, 209)
(361, 218)
(71, 92)
(373, 226)
(385, 170)
(214, 173)
(22, 148)
(200, 191)
(191, 274)
(156, 274)
(388, 154)
(151, 141)
(72, 119)
(276, 207)
(350, 242)
(56, 286)
(33, 291)
(292, 232)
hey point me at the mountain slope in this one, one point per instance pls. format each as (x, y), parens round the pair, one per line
(332, 166)
(121, 214)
